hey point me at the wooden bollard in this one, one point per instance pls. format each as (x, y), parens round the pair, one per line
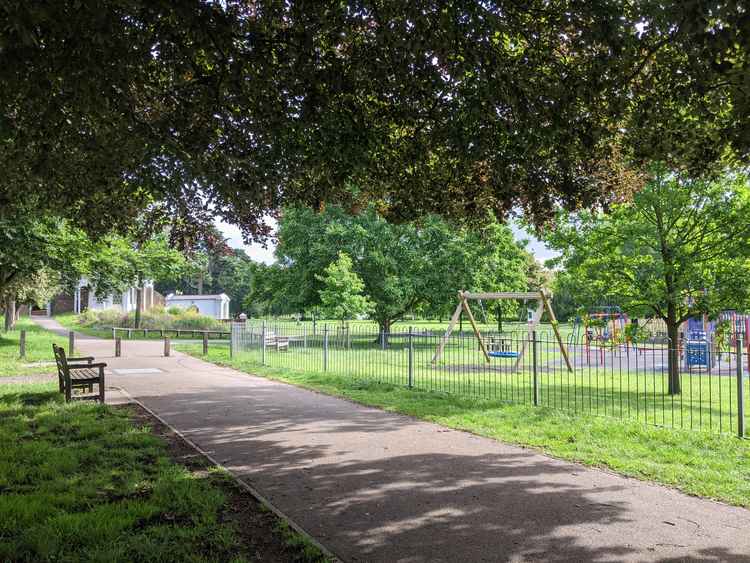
(118, 347)
(22, 344)
(205, 343)
(166, 346)
(71, 342)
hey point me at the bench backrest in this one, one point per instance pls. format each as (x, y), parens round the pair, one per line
(62, 363)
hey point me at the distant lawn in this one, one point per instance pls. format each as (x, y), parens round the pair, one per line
(700, 463)
(38, 349)
(81, 482)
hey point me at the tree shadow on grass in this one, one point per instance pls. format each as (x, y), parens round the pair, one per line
(30, 399)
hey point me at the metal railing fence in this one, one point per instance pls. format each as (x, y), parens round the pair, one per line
(622, 380)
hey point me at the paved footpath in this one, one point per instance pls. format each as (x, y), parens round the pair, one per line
(377, 486)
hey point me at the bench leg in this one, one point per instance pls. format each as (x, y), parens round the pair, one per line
(101, 385)
(68, 391)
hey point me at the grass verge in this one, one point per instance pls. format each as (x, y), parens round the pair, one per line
(38, 349)
(699, 463)
(70, 321)
(82, 482)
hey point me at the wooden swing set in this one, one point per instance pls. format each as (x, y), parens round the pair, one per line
(543, 304)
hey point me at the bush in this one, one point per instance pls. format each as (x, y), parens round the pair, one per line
(157, 318)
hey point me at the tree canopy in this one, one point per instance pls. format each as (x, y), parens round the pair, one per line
(678, 250)
(341, 296)
(406, 268)
(237, 108)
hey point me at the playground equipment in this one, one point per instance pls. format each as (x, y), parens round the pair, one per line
(543, 304)
(605, 324)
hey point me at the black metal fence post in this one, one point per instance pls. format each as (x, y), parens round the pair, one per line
(534, 368)
(22, 344)
(325, 347)
(740, 390)
(231, 339)
(411, 359)
(263, 344)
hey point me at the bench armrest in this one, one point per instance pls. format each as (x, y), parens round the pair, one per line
(82, 359)
(87, 366)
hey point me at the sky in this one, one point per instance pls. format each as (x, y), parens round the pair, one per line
(260, 254)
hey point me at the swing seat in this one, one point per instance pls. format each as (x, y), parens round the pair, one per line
(502, 354)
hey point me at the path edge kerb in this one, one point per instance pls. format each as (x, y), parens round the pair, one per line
(244, 485)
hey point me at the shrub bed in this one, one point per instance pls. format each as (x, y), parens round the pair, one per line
(156, 318)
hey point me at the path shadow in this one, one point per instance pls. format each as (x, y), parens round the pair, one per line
(375, 486)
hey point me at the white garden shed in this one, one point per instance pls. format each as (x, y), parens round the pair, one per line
(216, 306)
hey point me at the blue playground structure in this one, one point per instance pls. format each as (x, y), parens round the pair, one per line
(699, 340)
(502, 354)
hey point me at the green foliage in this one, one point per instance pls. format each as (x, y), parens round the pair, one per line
(405, 267)
(429, 107)
(678, 250)
(117, 263)
(341, 295)
(680, 244)
(90, 486)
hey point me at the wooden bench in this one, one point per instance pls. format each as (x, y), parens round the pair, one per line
(79, 373)
(279, 342)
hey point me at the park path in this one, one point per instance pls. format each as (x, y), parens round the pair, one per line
(377, 486)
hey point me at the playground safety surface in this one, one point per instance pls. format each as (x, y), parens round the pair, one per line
(377, 486)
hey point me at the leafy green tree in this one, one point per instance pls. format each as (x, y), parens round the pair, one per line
(116, 263)
(36, 255)
(406, 268)
(235, 276)
(429, 107)
(568, 296)
(341, 296)
(678, 250)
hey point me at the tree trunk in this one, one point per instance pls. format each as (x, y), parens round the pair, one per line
(138, 304)
(673, 356)
(10, 313)
(384, 330)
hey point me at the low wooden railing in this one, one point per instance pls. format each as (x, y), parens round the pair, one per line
(176, 332)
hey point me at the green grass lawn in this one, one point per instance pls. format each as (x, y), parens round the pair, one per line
(701, 463)
(81, 482)
(38, 349)
(622, 386)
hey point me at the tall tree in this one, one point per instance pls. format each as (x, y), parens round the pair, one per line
(235, 108)
(405, 268)
(116, 263)
(342, 295)
(678, 250)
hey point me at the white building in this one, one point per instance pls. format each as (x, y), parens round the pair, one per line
(84, 297)
(216, 306)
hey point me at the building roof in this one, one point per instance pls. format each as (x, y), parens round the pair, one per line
(204, 297)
